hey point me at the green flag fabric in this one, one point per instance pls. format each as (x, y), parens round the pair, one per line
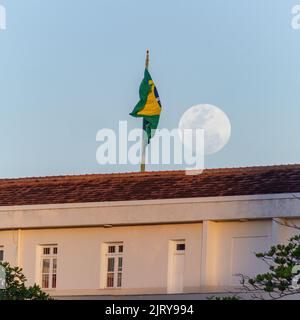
(149, 106)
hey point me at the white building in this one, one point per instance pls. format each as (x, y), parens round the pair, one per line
(136, 233)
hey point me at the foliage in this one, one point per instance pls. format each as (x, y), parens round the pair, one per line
(15, 288)
(277, 282)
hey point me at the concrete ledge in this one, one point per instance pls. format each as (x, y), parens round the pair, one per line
(152, 212)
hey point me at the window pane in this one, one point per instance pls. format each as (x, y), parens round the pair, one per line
(55, 250)
(110, 280)
(1, 255)
(114, 265)
(180, 247)
(46, 250)
(54, 265)
(54, 281)
(111, 264)
(120, 264)
(46, 266)
(111, 249)
(45, 281)
(119, 282)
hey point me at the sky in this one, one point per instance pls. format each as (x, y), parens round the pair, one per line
(70, 68)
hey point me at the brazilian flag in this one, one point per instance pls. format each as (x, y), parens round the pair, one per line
(149, 106)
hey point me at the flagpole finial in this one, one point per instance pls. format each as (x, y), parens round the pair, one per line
(147, 59)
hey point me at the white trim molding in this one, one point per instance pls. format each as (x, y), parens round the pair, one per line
(164, 211)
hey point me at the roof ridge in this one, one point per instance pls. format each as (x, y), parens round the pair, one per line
(207, 171)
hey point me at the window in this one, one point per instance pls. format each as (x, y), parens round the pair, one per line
(180, 246)
(1, 254)
(49, 267)
(114, 265)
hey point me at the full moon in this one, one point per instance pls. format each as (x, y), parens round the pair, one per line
(213, 121)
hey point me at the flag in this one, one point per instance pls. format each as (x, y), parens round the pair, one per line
(149, 106)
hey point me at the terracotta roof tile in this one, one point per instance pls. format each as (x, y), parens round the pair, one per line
(150, 185)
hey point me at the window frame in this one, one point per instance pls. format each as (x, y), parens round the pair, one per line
(177, 243)
(116, 275)
(2, 250)
(53, 261)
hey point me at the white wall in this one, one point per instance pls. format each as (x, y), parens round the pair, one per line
(145, 254)
(217, 246)
(215, 251)
(9, 241)
(236, 244)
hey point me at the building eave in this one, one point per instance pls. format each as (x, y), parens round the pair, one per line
(217, 199)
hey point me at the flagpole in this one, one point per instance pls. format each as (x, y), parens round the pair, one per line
(144, 145)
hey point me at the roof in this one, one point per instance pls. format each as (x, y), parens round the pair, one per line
(150, 185)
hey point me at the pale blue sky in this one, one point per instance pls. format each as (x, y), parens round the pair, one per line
(69, 68)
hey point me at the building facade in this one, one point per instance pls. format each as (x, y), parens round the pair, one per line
(146, 233)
